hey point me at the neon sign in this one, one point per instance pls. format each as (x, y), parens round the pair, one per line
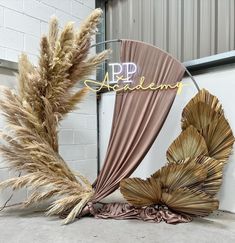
(126, 69)
(121, 80)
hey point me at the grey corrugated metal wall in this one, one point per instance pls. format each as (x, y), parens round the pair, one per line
(188, 29)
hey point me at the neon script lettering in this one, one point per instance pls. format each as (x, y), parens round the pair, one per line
(123, 72)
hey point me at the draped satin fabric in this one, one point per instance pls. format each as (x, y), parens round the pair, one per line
(138, 115)
(150, 213)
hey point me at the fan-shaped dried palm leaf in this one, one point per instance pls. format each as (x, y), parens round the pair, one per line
(190, 202)
(188, 174)
(214, 177)
(191, 179)
(189, 144)
(219, 139)
(200, 115)
(213, 127)
(140, 192)
(205, 97)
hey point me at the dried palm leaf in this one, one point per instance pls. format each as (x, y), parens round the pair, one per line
(205, 97)
(219, 139)
(191, 179)
(200, 115)
(190, 202)
(213, 127)
(189, 144)
(214, 172)
(188, 174)
(214, 177)
(140, 192)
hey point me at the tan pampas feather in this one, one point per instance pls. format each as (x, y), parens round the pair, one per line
(87, 30)
(53, 32)
(74, 100)
(193, 175)
(46, 94)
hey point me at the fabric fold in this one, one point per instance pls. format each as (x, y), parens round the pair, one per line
(138, 115)
(150, 214)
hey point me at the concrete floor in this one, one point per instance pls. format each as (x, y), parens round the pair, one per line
(31, 227)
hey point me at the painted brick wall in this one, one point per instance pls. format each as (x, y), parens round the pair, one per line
(22, 22)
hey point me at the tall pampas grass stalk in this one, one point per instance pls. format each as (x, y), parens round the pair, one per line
(45, 95)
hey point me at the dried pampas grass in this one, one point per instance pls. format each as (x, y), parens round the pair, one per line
(45, 95)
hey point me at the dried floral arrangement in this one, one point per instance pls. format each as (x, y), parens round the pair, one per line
(193, 175)
(45, 95)
(187, 185)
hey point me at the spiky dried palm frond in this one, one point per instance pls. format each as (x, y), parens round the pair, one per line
(213, 181)
(189, 174)
(178, 186)
(205, 97)
(188, 144)
(214, 173)
(212, 125)
(200, 115)
(140, 192)
(219, 139)
(46, 94)
(190, 180)
(190, 202)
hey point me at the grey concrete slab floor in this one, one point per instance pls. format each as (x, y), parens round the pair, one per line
(28, 227)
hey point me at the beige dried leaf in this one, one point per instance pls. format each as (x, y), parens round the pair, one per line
(214, 177)
(219, 139)
(200, 115)
(187, 174)
(205, 97)
(140, 192)
(191, 179)
(190, 202)
(188, 144)
(213, 127)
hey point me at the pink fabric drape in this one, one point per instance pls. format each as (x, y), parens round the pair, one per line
(151, 213)
(138, 115)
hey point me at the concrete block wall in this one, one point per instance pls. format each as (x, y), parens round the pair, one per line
(22, 22)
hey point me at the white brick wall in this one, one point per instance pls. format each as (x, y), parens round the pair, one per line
(22, 22)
